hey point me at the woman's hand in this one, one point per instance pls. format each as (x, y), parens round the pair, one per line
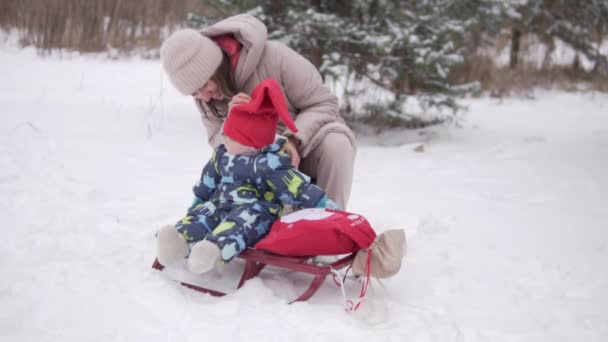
(290, 148)
(240, 98)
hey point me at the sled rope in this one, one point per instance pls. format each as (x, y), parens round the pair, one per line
(350, 305)
(340, 283)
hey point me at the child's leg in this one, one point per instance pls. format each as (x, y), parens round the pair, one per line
(200, 221)
(243, 227)
(203, 256)
(171, 246)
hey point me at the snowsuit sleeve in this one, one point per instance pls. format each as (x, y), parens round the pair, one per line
(288, 184)
(210, 177)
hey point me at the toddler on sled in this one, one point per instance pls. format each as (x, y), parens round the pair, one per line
(243, 189)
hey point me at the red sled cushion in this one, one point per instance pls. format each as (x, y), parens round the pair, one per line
(310, 232)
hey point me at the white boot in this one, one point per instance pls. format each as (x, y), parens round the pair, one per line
(203, 257)
(171, 245)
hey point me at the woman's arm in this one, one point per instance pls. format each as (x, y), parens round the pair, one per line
(304, 88)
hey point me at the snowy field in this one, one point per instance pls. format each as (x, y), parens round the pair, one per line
(506, 218)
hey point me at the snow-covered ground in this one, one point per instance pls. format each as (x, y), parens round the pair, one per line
(506, 218)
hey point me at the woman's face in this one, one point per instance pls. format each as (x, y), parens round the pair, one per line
(209, 91)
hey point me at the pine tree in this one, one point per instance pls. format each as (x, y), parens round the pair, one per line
(407, 48)
(573, 22)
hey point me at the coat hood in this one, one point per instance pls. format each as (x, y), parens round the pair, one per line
(251, 33)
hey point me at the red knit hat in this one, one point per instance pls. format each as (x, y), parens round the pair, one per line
(254, 124)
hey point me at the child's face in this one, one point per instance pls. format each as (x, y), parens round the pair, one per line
(234, 147)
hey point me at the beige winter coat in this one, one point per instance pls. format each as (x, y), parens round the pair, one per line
(313, 107)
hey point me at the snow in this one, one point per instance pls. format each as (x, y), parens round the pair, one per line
(505, 216)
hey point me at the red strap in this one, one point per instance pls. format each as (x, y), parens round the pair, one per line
(351, 306)
(343, 278)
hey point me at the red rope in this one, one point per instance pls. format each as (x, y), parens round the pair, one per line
(350, 305)
(343, 278)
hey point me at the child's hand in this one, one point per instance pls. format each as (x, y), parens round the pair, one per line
(240, 98)
(290, 148)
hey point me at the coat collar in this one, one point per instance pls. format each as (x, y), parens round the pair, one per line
(251, 33)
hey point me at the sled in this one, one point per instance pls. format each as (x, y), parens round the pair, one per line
(255, 261)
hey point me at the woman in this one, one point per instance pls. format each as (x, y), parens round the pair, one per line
(220, 65)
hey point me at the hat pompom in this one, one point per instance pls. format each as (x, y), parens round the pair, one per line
(254, 124)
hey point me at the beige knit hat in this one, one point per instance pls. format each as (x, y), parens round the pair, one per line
(189, 59)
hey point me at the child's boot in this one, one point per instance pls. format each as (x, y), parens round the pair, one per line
(203, 257)
(171, 245)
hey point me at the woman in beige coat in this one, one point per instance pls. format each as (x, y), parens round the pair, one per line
(221, 64)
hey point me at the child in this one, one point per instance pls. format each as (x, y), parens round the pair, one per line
(242, 188)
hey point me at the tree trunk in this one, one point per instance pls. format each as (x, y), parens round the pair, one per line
(315, 53)
(550, 44)
(515, 41)
(276, 9)
(109, 33)
(315, 56)
(576, 64)
(598, 62)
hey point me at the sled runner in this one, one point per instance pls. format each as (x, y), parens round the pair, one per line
(255, 261)
(296, 238)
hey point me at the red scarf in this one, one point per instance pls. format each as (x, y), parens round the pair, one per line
(231, 47)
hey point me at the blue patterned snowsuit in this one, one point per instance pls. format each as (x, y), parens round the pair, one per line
(239, 197)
